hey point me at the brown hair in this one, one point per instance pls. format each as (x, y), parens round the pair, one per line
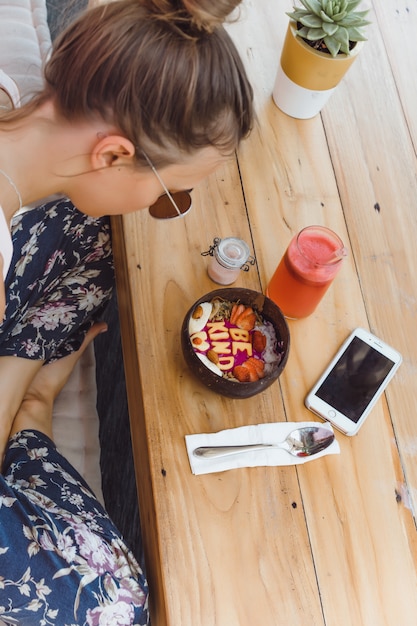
(204, 14)
(164, 72)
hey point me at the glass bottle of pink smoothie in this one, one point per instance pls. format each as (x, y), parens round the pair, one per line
(230, 255)
(305, 272)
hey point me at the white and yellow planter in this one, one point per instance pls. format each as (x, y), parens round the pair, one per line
(306, 77)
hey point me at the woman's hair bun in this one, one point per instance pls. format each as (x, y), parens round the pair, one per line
(205, 15)
(208, 14)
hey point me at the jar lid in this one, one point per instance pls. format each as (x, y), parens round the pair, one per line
(232, 252)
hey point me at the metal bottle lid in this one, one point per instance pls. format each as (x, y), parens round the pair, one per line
(232, 253)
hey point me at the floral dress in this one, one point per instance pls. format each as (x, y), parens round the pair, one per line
(60, 277)
(62, 561)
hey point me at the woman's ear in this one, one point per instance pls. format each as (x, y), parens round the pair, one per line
(112, 150)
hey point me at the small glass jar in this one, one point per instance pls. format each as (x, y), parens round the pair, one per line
(229, 256)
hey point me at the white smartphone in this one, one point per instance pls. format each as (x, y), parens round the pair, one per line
(353, 382)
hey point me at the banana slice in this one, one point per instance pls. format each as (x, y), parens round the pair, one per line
(199, 317)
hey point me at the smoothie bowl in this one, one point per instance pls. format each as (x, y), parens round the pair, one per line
(236, 341)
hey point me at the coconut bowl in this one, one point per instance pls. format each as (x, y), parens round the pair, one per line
(269, 312)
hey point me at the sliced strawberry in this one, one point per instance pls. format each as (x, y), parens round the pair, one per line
(258, 341)
(257, 365)
(246, 320)
(237, 309)
(251, 367)
(241, 373)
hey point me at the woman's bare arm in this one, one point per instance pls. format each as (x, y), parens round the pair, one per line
(16, 374)
(35, 411)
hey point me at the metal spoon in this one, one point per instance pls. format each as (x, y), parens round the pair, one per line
(303, 441)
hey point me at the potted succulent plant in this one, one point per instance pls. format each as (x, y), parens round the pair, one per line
(322, 41)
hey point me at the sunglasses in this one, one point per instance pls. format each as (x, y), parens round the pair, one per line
(170, 205)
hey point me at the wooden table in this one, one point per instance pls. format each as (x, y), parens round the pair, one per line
(332, 542)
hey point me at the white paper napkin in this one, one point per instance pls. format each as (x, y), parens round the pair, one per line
(259, 433)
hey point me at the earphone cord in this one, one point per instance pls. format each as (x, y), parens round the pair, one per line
(11, 183)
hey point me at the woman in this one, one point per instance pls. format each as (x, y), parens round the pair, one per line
(140, 96)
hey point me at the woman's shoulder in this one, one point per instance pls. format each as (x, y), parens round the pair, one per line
(6, 246)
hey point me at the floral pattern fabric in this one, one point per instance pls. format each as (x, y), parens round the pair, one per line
(62, 561)
(60, 277)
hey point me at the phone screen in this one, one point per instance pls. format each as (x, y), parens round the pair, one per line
(354, 380)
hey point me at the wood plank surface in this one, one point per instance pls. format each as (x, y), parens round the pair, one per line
(333, 542)
(305, 154)
(382, 158)
(197, 516)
